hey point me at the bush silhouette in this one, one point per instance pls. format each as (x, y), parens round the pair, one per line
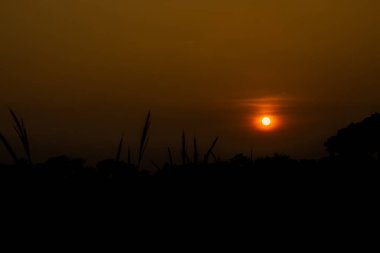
(358, 140)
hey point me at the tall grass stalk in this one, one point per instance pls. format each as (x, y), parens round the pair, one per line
(209, 152)
(144, 139)
(9, 148)
(195, 153)
(170, 157)
(22, 133)
(129, 156)
(119, 149)
(183, 149)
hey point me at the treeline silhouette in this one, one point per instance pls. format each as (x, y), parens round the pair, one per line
(354, 149)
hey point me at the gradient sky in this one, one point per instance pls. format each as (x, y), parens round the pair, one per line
(82, 72)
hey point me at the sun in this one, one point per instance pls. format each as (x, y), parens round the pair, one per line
(266, 121)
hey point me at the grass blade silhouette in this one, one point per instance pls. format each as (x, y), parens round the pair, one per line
(9, 148)
(26, 140)
(144, 139)
(209, 152)
(119, 149)
(129, 156)
(214, 157)
(196, 155)
(155, 165)
(145, 145)
(183, 149)
(22, 134)
(18, 127)
(170, 158)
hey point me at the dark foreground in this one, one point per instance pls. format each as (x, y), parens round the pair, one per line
(276, 171)
(353, 161)
(266, 195)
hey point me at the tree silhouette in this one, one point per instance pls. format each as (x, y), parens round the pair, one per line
(358, 140)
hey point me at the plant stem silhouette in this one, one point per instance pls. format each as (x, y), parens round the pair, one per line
(209, 152)
(144, 139)
(9, 148)
(196, 155)
(170, 158)
(22, 134)
(183, 149)
(119, 149)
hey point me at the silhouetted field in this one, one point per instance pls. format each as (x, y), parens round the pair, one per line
(353, 156)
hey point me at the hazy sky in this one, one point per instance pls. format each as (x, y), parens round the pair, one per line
(82, 72)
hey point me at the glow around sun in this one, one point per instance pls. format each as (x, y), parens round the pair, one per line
(266, 114)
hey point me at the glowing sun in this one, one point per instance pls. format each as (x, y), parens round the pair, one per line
(266, 121)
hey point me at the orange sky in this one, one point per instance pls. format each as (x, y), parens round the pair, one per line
(84, 71)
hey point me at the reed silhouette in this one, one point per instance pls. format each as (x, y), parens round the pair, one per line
(22, 134)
